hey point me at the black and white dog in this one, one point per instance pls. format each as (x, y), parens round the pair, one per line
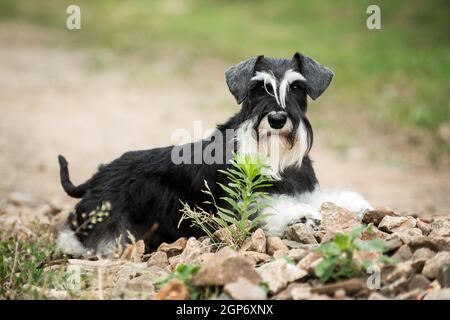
(144, 188)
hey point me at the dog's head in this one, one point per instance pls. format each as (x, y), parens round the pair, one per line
(274, 96)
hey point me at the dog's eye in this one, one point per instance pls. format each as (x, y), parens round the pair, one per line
(295, 85)
(267, 87)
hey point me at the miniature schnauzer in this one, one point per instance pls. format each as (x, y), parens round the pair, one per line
(141, 192)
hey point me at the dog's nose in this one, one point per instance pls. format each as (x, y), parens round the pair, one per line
(277, 120)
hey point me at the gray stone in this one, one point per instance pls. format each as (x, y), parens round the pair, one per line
(158, 258)
(404, 253)
(302, 233)
(424, 227)
(257, 242)
(224, 267)
(242, 289)
(443, 294)
(275, 244)
(440, 228)
(420, 282)
(444, 276)
(277, 274)
(432, 266)
(395, 224)
(375, 216)
(421, 256)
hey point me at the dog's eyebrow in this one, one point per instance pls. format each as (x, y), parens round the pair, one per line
(289, 77)
(267, 77)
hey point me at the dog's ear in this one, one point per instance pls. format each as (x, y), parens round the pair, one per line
(317, 76)
(238, 77)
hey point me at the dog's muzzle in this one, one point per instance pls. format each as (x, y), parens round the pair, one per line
(277, 120)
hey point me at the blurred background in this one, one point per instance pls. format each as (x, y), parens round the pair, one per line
(137, 70)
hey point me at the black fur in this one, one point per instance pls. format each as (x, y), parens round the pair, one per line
(145, 187)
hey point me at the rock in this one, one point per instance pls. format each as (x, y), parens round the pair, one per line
(310, 261)
(375, 216)
(443, 294)
(93, 266)
(401, 269)
(396, 224)
(375, 234)
(242, 289)
(421, 256)
(335, 220)
(174, 248)
(193, 249)
(134, 252)
(340, 294)
(302, 233)
(131, 270)
(377, 296)
(203, 258)
(158, 258)
(301, 292)
(444, 276)
(363, 255)
(141, 287)
(399, 285)
(173, 290)
(275, 244)
(224, 267)
(403, 253)
(420, 282)
(256, 257)
(223, 235)
(350, 286)
(432, 266)
(424, 227)
(297, 245)
(409, 235)
(297, 254)
(277, 274)
(257, 242)
(410, 295)
(440, 228)
(393, 243)
(279, 254)
(433, 243)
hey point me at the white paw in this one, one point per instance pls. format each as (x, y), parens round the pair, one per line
(284, 211)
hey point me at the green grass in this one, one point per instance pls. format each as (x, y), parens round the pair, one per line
(398, 75)
(23, 262)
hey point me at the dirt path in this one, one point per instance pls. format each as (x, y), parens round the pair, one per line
(52, 102)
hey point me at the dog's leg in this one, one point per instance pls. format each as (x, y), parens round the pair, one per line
(284, 210)
(347, 199)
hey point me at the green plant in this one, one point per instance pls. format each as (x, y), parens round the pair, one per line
(243, 195)
(339, 261)
(185, 273)
(23, 261)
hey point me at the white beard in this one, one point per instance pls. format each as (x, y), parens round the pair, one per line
(273, 145)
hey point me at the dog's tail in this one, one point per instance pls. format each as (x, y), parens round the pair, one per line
(69, 188)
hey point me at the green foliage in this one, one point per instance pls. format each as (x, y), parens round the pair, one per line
(22, 266)
(339, 262)
(244, 196)
(185, 273)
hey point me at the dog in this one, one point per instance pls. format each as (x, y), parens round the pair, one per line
(141, 192)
